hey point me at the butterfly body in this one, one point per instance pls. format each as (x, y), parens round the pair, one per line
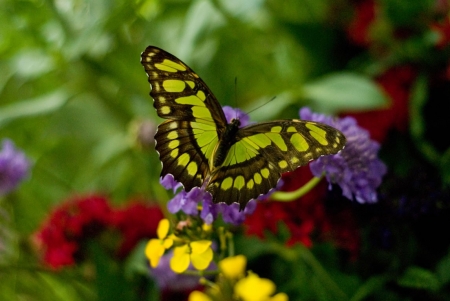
(198, 146)
(225, 142)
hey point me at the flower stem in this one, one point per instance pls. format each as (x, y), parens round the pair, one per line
(284, 196)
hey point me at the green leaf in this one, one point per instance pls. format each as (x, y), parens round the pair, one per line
(137, 262)
(419, 97)
(372, 285)
(32, 63)
(419, 278)
(443, 269)
(344, 91)
(110, 276)
(32, 107)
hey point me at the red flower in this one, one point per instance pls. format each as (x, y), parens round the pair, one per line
(61, 255)
(358, 30)
(136, 222)
(306, 218)
(397, 83)
(442, 29)
(302, 217)
(70, 223)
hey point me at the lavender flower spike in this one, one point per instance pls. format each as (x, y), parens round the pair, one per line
(14, 167)
(357, 168)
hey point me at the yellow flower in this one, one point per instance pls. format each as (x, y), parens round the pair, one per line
(253, 288)
(207, 228)
(157, 246)
(233, 267)
(198, 296)
(280, 297)
(197, 252)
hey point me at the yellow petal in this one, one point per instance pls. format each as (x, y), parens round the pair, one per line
(201, 261)
(207, 228)
(253, 288)
(198, 296)
(233, 267)
(174, 237)
(280, 297)
(163, 228)
(180, 260)
(167, 243)
(200, 246)
(154, 250)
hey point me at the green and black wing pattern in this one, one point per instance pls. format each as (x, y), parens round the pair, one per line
(264, 151)
(187, 139)
(199, 148)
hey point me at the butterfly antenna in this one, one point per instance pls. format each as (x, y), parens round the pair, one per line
(261, 105)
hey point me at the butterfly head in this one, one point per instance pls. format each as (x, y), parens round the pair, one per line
(235, 122)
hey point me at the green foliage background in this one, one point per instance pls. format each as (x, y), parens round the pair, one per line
(72, 90)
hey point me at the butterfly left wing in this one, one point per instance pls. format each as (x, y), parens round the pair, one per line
(264, 151)
(186, 141)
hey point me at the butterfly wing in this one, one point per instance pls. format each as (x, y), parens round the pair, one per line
(264, 151)
(195, 120)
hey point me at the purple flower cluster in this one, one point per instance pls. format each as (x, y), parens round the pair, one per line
(14, 167)
(189, 202)
(357, 168)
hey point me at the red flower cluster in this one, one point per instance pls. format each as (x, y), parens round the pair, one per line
(396, 82)
(61, 237)
(305, 218)
(136, 221)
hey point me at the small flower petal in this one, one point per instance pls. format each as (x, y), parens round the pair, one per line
(280, 297)
(232, 113)
(200, 246)
(154, 250)
(14, 166)
(199, 296)
(233, 267)
(167, 243)
(163, 228)
(168, 182)
(180, 260)
(253, 288)
(201, 261)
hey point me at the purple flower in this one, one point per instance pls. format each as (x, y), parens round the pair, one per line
(232, 215)
(209, 211)
(169, 280)
(168, 182)
(14, 167)
(357, 168)
(188, 202)
(231, 113)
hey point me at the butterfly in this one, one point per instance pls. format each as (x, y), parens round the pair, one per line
(200, 148)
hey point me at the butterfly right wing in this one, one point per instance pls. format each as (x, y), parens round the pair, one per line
(264, 151)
